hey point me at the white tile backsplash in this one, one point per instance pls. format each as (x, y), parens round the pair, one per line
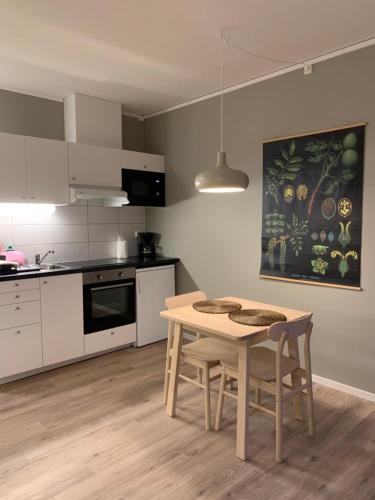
(70, 214)
(69, 252)
(6, 234)
(102, 250)
(103, 232)
(32, 233)
(74, 232)
(132, 215)
(104, 215)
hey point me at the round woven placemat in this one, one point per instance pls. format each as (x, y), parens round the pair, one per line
(216, 306)
(256, 317)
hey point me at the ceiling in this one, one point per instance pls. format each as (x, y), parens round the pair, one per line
(152, 54)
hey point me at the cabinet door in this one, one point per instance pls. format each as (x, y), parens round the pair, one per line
(154, 285)
(134, 160)
(62, 318)
(94, 165)
(47, 170)
(12, 168)
(20, 350)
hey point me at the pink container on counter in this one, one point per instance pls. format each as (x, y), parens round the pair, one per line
(14, 256)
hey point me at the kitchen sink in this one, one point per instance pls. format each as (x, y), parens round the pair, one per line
(53, 267)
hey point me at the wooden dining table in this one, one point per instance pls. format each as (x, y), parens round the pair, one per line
(220, 326)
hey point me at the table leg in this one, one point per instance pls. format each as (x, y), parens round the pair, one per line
(296, 380)
(243, 401)
(175, 370)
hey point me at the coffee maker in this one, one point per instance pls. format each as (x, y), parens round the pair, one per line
(146, 245)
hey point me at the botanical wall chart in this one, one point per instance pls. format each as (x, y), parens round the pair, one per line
(312, 207)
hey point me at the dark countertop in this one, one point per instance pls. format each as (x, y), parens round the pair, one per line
(91, 265)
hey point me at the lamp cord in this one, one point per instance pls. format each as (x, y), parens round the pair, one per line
(222, 40)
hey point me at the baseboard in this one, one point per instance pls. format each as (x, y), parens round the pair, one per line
(354, 391)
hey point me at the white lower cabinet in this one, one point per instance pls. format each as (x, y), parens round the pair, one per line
(154, 285)
(62, 318)
(109, 339)
(20, 349)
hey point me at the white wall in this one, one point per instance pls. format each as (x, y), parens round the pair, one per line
(75, 232)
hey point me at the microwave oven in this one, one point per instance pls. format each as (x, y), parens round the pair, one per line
(144, 188)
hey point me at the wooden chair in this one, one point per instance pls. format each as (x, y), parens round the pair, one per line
(267, 370)
(204, 353)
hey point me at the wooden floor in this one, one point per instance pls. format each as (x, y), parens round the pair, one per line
(98, 430)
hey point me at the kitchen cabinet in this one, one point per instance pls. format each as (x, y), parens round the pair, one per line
(62, 318)
(33, 170)
(12, 168)
(20, 329)
(135, 160)
(154, 285)
(47, 170)
(110, 339)
(20, 349)
(94, 165)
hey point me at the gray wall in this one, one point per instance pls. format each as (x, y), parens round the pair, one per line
(27, 115)
(218, 237)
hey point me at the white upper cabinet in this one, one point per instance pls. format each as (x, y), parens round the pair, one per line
(94, 165)
(47, 170)
(12, 168)
(135, 160)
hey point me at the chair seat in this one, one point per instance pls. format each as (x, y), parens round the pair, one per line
(209, 349)
(262, 364)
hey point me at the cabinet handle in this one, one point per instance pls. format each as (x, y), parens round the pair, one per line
(73, 178)
(32, 197)
(16, 284)
(45, 282)
(112, 333)
(144, 166)
(17, 308)
(18, 332)
(17, 296)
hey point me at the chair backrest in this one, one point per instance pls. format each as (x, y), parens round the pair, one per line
(292, 329)
(184, 299)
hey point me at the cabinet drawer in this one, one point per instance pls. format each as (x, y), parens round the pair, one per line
(109, 339)
(25, 313)
(20, 350)
(22, 296)
(28, 284)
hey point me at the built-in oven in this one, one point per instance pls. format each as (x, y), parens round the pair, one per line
(108, 298)
(144, 188)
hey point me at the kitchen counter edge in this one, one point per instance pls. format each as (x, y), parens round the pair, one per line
(131, 262)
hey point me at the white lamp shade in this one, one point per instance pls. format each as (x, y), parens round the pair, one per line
(222, 178)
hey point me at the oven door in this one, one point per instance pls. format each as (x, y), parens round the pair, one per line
(146, 189)
(108, 305)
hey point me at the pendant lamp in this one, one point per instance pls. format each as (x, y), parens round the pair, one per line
(222, 178)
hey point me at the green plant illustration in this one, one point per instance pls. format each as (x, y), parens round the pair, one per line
(319, 266)
(336, 160)
(297, 229)
(343, 264)
(273, 243)
(320, 249)
(344, 236)
(285, 168)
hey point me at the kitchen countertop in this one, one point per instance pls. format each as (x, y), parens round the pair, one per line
(91, 265)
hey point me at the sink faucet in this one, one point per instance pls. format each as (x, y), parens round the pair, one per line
(39, 259)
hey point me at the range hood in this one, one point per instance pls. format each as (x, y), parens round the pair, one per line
(111, 197)
(90, 120)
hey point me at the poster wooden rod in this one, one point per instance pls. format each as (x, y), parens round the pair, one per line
(305, 282)
(304, 134)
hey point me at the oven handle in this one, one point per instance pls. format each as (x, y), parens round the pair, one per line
(111, 286)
